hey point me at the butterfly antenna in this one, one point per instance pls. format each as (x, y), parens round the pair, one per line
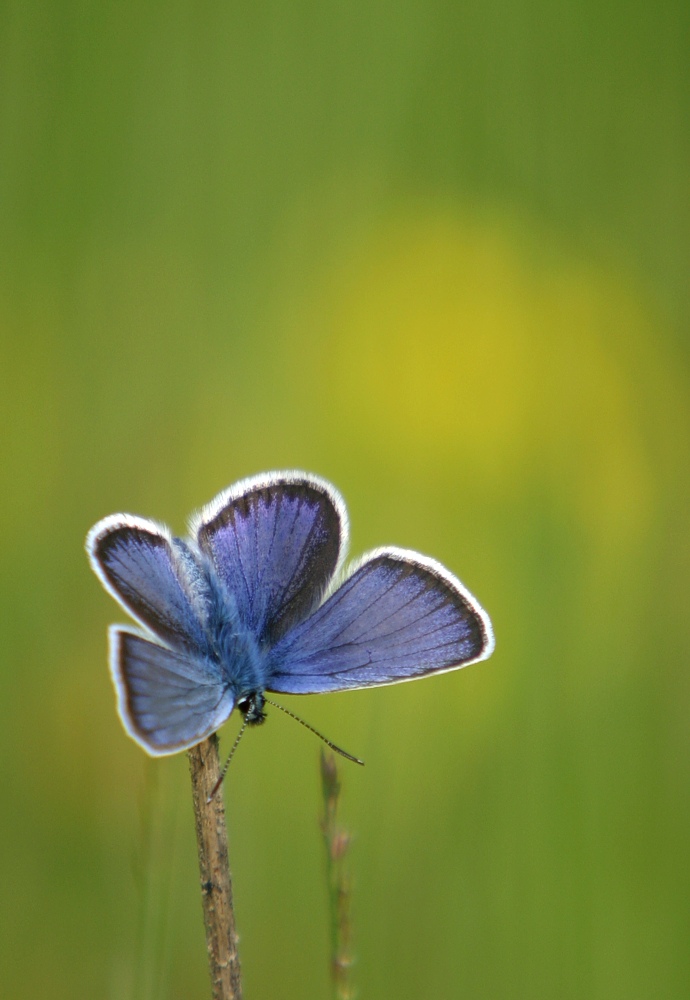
(343, 753)
(226, 765)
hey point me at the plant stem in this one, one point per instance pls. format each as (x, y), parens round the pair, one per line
(214, 872)
(337, 842)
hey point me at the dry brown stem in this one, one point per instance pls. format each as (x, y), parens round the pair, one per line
(214, 871)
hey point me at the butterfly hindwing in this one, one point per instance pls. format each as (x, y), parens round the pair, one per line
(398, 616)
(275, 543)
(167, 700)
(152, 575)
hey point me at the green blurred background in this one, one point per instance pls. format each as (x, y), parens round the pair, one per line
(437, 253)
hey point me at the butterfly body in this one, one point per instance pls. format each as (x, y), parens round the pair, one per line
(235, 647)
(253, 601)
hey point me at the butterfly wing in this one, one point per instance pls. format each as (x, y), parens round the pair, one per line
(167, 700)
(275, 542)
(398, 616)
(153, 576)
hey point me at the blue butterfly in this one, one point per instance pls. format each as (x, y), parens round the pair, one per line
(256, 600)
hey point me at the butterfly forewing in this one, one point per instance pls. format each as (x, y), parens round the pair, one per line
(153, 577)
(167, 700)
(275, 543)
(397, 617)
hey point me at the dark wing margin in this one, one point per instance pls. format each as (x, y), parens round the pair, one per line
(275, 542)
(167, 701)
(398, 616)
(153, 576)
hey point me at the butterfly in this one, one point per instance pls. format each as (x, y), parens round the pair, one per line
(256, 600)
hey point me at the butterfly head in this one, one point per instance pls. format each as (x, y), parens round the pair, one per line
(252, 708)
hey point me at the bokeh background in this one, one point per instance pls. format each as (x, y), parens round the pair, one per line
(437, 253)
